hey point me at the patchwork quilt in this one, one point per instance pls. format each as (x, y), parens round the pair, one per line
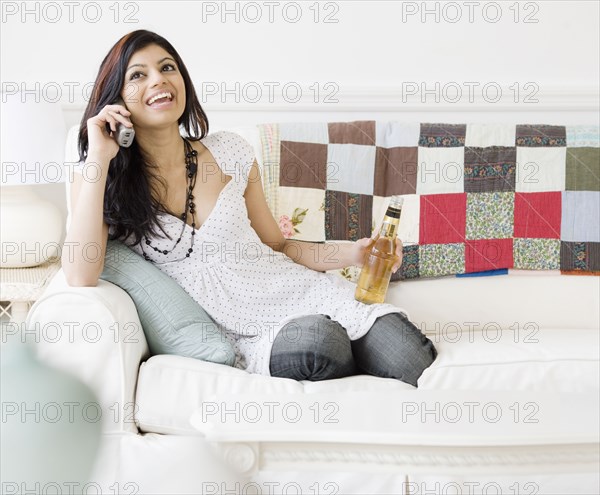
(478, 198)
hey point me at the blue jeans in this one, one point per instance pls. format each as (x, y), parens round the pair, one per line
(317, 348)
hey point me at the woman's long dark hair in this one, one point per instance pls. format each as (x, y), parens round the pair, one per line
(129, 206)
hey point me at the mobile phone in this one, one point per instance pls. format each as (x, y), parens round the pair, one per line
(123, 135)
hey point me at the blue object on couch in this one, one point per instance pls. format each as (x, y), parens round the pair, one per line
(172, 321)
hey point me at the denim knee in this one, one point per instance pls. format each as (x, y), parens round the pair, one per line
(394, 348)
(312, 348)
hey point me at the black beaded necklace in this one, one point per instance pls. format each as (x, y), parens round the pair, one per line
(191, 165)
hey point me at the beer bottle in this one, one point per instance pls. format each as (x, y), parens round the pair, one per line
(376, 272)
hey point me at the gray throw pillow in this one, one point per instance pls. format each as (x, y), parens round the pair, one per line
(172, 321)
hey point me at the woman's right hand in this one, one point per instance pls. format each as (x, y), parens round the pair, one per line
(100, 142)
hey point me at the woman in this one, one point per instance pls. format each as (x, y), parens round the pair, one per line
(285, 317)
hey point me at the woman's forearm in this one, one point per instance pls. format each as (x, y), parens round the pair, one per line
(83, 257)
(319, 256)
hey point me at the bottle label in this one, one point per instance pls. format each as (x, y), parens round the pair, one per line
(388, 229)
(393, 212)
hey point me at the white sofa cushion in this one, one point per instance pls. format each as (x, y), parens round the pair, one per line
(553, 361)
(171, 388)
(525, 299)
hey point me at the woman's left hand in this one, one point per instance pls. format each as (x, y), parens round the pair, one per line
(363, 246)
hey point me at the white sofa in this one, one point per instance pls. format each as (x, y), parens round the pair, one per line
(510, 405)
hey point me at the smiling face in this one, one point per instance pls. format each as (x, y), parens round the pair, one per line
(154, 89)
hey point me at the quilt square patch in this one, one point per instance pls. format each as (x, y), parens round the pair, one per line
(484, 135)
(538, 215)
(580, 256)
(348, 216)
(397, 134)
(442, 135)
(302, 213)
(583, 169)
(541, 135)
(271, 162)
(351, 168)
(440, 170)
(488, 254)
(358, 132)
(583, 135)
(408, 230)
(541, 169)
(443, 218)
(536, 254)
(410, 264)
(490, 169)
(303, 165)
(304, 132)
(437, 260)
(490, 215)
(580, 216)
(395, 171)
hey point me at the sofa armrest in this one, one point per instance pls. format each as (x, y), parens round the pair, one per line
(95, 334)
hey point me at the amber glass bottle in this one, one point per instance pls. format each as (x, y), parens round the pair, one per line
(376, 272)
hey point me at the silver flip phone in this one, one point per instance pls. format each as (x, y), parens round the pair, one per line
(123, 135)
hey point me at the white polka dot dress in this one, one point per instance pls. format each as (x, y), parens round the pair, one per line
(249, 289)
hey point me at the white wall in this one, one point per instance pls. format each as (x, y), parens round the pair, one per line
(549, 50)
(369, 58)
